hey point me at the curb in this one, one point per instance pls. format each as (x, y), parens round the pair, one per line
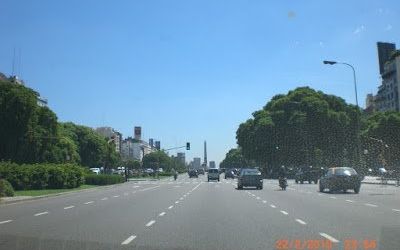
(32, 198)
(378, 183)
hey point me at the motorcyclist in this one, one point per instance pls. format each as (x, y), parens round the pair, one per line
(175, 174)
(282, 174)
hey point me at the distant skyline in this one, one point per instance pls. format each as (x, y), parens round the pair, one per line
(190, 70)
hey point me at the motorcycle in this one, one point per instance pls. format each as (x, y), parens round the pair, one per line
(283, 183)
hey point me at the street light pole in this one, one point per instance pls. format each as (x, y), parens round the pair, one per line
(356, 95)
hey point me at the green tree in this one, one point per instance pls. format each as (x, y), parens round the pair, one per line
(234, 159)
(303, 127)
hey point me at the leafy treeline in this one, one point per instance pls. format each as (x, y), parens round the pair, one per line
(307, 127)
(235, 159)
(30, 133)
(160, 159)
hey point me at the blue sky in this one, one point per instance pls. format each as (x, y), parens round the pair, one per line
(189, 70)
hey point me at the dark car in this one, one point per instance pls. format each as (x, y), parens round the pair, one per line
(308, 174)
(200, 171)
(250, 178)
(340, 179)
(229, 173)
(193, 173)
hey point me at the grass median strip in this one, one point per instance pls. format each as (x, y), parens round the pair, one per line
(50, 191)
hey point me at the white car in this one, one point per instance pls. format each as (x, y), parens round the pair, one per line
(95, 170)
(149, 171)
(213, 174)
(160, 170)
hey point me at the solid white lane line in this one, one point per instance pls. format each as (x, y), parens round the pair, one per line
(396, 210)
(370, 205)
(116, 196)
(89, 202)
(329, 237)
(69, 207)
(162, 214)
(150, 223)
(264, 201)
(332, 197)
(105, 198)
(5, 221)
(349, 200)
(284, 212)
(272, 205)
(301, 221)
(127, 241)
(170, 207)
(42, 213)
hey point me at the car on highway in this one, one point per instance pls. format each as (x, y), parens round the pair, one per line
(200, 171)
(213, 174)
(193, 173)
(149, 171)
(340, 179)
(229, 173)
(250, 177)
(309, 174)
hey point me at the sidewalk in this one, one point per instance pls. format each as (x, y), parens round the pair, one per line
(378, 181)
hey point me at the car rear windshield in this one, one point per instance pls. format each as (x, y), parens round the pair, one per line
(345, 171)
(251, 172)
(213, 170)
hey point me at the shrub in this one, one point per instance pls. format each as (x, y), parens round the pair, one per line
(103, 179)
(5, 188)
(39, 176)
(57, 177)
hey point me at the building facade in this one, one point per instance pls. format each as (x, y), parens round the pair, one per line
(111, 134)
(181, 158)
(387, 96)
(196, 163)
(212, 164)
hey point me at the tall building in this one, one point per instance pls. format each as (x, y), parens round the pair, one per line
(151, 142)
(370, 103)
(384, 52)
(212, 164)
(387, 98)
(137, 133)
(181, 158)
(111, 134)
(196, 163)
(158, 145)
(135, 150)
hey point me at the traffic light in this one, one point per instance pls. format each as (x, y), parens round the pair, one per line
(187, 145)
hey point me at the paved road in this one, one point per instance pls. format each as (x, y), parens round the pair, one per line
(195, 214)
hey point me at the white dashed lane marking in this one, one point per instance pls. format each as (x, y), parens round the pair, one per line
(396, 210)
(170, 207)
(370, 205)
(176, 202)
(5, 221)
(105, 198)
(162, 214)
(272, 205)
(284, 212)
(89, 202)
(301, 221)
(69, 207)
(329, 237)
(349, 200)
(116, 196)
(258, 198)
(332, 197)
(127, 241)
(264, 201)
(42, 213)
(150, 223)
